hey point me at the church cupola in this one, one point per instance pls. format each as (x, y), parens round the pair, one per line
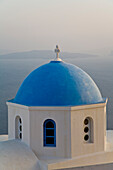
(58, 111)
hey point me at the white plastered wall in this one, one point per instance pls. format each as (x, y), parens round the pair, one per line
(69, 129)
(61, 116)
(78, 114)
(15, 110)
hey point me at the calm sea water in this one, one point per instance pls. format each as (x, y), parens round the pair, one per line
(13, 72)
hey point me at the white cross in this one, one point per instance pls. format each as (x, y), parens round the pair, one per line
(57, 51)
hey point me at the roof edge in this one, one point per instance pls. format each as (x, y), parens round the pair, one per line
(78, 107)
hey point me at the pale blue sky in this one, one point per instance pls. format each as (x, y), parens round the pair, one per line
(76, 25)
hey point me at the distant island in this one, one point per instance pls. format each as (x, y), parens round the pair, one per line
(44, 54)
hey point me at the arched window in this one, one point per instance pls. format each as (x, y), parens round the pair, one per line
(18, 127)
(88, 130)
(49, 128)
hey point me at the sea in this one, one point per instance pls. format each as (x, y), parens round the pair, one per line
(13, 72)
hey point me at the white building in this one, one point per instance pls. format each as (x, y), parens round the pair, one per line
(60, 114)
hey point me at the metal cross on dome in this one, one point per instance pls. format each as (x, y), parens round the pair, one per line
(57, 51)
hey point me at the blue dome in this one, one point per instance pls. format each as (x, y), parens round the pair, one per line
(58, 84)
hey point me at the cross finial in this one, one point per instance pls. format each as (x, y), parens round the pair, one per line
(57, 51)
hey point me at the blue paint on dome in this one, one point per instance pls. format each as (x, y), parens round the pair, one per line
(58, 84)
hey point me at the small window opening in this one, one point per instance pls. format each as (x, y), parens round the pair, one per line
(49, 133)
(20, 120)
(88, 130)
(86, 121)
(86, 137)
(20, 135)
(18, 128)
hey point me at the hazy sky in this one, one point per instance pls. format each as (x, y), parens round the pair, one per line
(76, 25)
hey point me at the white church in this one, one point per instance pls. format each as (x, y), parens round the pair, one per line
(56, 121)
